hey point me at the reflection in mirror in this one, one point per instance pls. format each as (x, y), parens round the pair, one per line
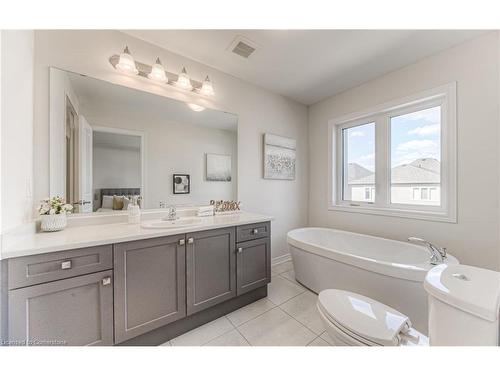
(110, 144)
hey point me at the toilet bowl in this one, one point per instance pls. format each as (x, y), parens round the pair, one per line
(464, 306)
(356, 320)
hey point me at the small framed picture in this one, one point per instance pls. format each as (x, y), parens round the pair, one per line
(181, 184)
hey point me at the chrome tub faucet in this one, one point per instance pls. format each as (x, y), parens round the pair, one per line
(438, 254)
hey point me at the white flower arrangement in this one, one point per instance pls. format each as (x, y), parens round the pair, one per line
(54, 206)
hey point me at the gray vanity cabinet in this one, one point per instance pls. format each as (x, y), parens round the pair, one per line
(75, 311)
(114, 293)
(253, 268)
(149, 285)
(210, 268)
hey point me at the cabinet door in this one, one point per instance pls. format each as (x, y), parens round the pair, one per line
(210, 268)
(149, 285)
(75, 311)
(253, 267)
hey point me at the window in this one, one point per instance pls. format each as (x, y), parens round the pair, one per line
(424, 194)
(397, 159)
(358, 162)
(368, 196)
(416, 194)
(415, 154)
(434, 196)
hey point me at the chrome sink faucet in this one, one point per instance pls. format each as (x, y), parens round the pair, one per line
(172, 214)
(438, 254)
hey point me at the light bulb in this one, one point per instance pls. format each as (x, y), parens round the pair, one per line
(158, 72)
(195, 107)
(183, 80)
(207, 88)
(126, 64)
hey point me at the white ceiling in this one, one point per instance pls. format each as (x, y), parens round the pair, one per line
(308, 65)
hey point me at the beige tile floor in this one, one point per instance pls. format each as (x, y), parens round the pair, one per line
(286, 317)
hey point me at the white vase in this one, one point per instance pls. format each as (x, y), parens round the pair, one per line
(53, 223)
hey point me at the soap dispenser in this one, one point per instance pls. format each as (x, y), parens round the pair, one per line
(134, 211)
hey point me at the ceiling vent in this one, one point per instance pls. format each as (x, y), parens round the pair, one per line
(242, 47)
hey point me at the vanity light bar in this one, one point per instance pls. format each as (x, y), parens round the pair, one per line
(144, 70)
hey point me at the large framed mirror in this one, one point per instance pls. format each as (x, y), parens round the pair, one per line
(109, 142)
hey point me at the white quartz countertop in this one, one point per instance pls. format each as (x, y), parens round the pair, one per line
(103, 234)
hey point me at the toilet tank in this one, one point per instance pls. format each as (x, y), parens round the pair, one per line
(464, 305)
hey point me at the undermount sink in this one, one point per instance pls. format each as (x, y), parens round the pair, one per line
(177, 223)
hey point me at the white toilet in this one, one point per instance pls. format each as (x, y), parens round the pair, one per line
(464, 308)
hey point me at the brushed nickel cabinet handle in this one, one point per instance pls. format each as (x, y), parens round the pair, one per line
(190, 240)
(182, 242)
(66, 265)
(239, 250)
(255, 231)
(106, 281)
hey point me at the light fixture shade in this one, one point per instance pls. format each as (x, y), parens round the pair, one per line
(195, 107)
(158, 72)
(183, 80)
(207, 88)
(126, 64)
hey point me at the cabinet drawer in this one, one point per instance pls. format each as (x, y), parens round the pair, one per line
(253, 231)
(37, 269)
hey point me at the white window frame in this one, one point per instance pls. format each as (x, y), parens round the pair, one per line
(444, 96)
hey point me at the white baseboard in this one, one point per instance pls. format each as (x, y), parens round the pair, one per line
(281, 259)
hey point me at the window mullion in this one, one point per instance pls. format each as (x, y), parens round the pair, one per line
(382, 161)
(340, 165)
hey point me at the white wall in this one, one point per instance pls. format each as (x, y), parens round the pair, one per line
(474, 65)
(17, 128)
(259, 111)
(115, 167)
(498, 139)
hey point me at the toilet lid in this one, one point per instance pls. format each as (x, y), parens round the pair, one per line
(363, 316)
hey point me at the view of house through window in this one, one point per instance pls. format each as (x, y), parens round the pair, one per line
(416, 157)
(359, 163)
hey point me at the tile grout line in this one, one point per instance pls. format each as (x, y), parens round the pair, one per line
(303, 325)
(235, 327)
(222, 333)
(242, 335)
(305, 291)
(278, 305)
(290, 281)
(210, 339)
(255, 317)
(314, 339)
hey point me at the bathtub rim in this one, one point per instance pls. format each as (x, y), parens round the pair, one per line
(411, 272)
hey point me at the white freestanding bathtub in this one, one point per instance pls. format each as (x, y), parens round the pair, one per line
(389, 271)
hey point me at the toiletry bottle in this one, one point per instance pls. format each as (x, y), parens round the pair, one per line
(134, 212)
